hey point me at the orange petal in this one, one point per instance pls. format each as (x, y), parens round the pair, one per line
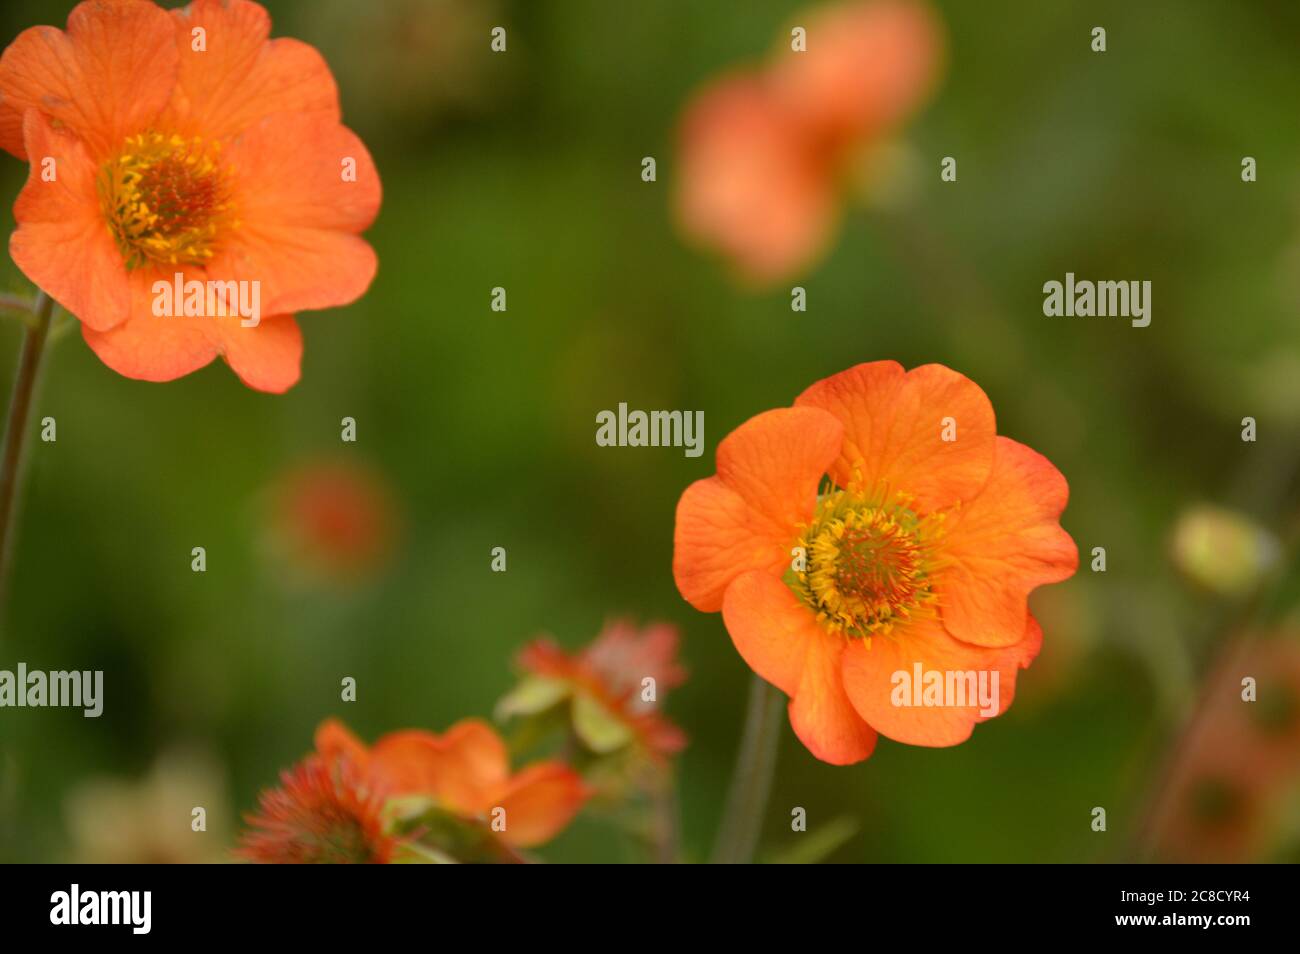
(867, 65)
(61, 243)
(477, 750)
(266, 356)
(821, 713)
(716, 537)
(1002, 545)
(772, 630)
(107, 78)
(748, 187)
(747, 517)
(540, 802)
(150, 348)
(463, 768)
(874, 686)
(334, 740)
(241, 77)
(894, 429)
(298, 215)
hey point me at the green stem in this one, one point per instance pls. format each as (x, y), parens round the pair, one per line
(20, 405)
(16, 303)
(742, 820)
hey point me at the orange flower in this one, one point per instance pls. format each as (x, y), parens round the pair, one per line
(916, 558)
(185, 147)
(323, 813)
(466, 772)
(762, 152)
(331, 521)
(604, 683)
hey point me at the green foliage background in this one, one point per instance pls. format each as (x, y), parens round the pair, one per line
(523, 171)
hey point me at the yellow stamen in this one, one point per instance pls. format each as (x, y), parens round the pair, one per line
(869, 562)
(166, 199)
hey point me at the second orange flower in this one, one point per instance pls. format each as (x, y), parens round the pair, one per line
(878, 527)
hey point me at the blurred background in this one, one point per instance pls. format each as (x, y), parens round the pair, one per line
(475, 429)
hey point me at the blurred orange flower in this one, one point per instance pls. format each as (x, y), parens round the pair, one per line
(170, 148)
(917, 557)
(605, 682)
(762, 152)
(464, 771)
(331, 520)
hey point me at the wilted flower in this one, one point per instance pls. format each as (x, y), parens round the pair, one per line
(917, 558)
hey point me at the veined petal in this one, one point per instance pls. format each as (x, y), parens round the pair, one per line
(821, 713)
(772, 630)
(1002, 545)
(61, 242)
(151, 348)
(107, 77)
(747, 517)
(300, 211)
(266, 356)
(240, 76)
(879, 674)
(895, 429)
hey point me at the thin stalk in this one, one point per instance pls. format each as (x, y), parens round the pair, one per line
(15, 439)
(16, 303)
(742, 820)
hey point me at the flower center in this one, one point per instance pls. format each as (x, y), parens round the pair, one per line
(866, 563)
(165, 199)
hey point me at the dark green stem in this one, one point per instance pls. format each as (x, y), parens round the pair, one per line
(20, 405)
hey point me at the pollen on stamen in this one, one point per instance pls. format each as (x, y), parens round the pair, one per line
(165, 199)
(869, 562)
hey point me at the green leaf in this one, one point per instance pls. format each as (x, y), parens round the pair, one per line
(818, 844)
(597, 727)
(535, 694)
(414, 853)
